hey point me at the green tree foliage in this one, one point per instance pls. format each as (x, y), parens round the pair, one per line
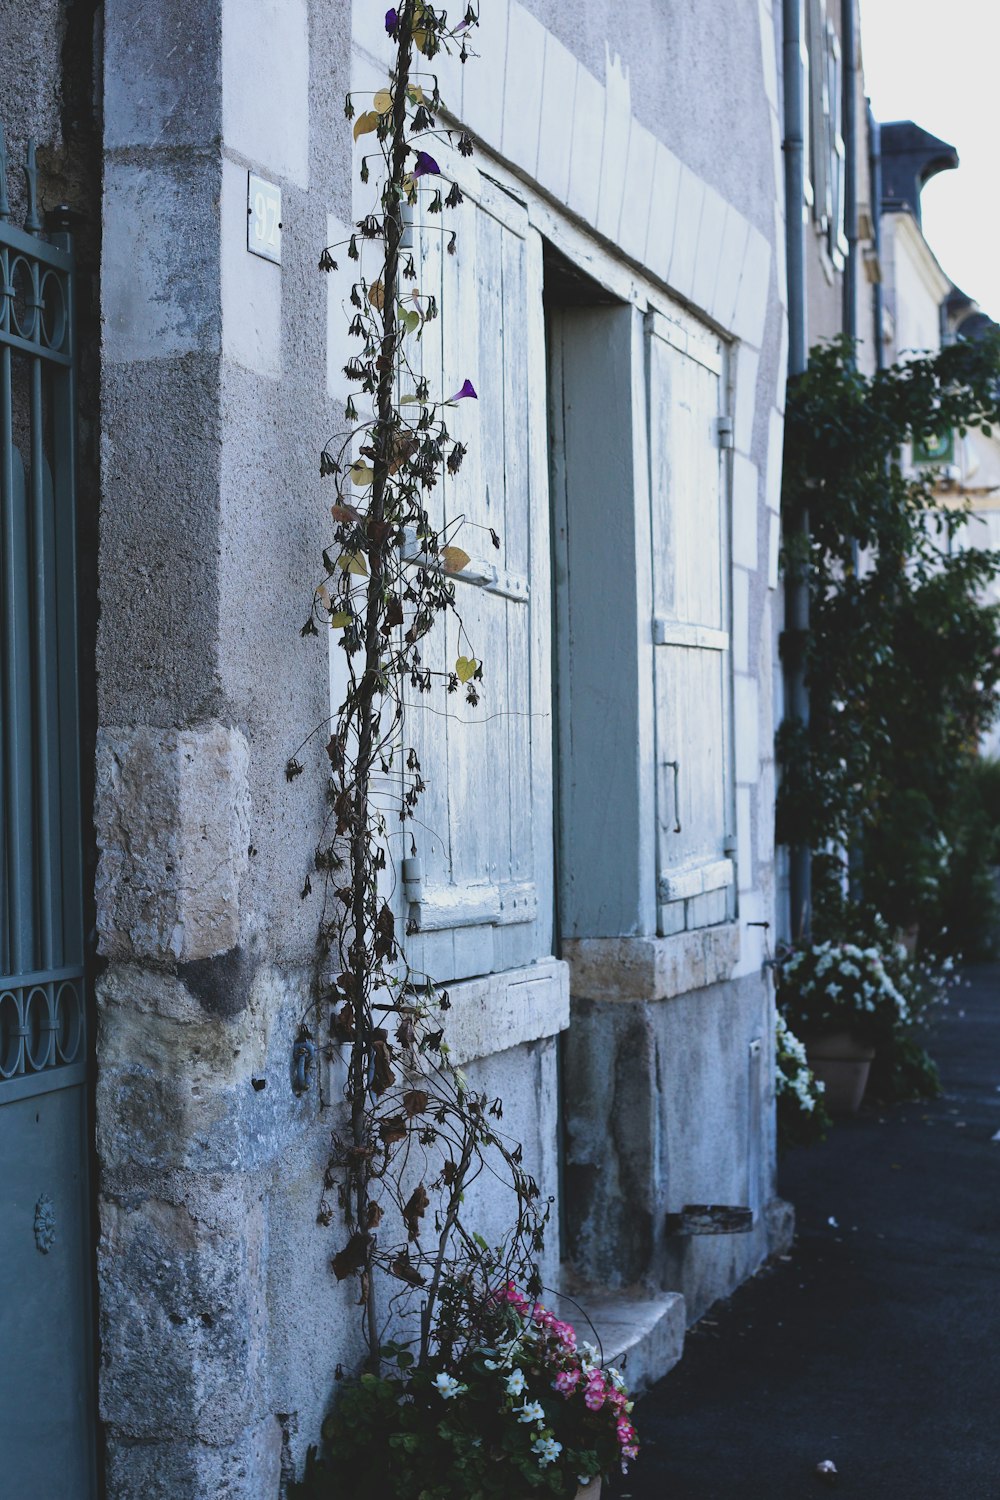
(902, 654)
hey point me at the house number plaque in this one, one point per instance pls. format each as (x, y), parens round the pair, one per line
(264, 218)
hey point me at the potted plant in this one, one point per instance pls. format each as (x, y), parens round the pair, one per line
(841, 1000)
(509, 1405)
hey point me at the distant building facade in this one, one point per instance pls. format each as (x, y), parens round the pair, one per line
(598, 884)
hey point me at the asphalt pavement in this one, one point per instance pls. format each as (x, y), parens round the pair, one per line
(874, 1346)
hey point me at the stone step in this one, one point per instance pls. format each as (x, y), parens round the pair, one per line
(640, 1333)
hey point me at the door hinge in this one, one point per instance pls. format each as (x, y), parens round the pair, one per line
(724, 431)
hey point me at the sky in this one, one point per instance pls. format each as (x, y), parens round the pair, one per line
(937, 62)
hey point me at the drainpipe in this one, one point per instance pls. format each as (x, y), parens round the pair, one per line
(796, 522)
(875, 167)
(849, 53)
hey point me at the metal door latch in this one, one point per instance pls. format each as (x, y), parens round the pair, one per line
(303, 1058)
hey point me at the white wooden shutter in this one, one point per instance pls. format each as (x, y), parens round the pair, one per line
(690, 626)
(483, 827)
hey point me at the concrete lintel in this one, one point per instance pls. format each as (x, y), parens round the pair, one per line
(648, 968)
(499, 1011)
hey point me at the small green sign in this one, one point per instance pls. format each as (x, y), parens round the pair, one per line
(934, 449)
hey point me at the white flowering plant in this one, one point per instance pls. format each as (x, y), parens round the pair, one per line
(802, 1117)
(834, 986)
(522, 1408)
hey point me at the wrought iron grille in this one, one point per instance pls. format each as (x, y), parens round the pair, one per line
(42, 1010)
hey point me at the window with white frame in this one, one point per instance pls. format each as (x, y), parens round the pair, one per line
(827, 157)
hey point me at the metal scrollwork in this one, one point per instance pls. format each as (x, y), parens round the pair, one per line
(45, 1224)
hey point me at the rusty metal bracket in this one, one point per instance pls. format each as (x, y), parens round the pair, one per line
(710, 1218)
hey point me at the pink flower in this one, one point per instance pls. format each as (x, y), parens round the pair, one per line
(565, 1333)
(593, 1398)
(567, 1381)
(512, 1296)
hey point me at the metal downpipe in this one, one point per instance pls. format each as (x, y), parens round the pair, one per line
(796, 522)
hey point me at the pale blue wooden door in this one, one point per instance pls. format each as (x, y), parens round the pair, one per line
(46, 1385)
(483, 833)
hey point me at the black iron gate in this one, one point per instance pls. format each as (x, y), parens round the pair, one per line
(46, 1397)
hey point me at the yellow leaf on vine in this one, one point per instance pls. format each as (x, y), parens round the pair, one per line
(416, 94)
(376, 295)
(382, 102)
(466, 668)
(409, 319)
(340, 620)
(353, 562)
(366, 123)
(362, 474)
(420, 40)
(323, 595)
(454, 559)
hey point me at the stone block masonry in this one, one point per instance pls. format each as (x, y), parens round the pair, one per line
(173, 833)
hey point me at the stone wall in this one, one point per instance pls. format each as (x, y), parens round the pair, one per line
(221, 1325)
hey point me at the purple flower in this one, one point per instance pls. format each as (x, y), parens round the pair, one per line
(468, 389)
(426, 165)
(391, 20)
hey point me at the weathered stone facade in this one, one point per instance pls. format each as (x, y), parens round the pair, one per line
(607, 138)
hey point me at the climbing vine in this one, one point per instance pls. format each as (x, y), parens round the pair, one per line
(418, 1135)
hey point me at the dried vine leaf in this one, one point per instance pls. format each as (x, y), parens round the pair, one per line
(392, 1130)
(415, 1102)
(376, 295)
(454, 559)
(383, 1076)
(343, 1026)
(366, 123)
(344, 513)
(415, 1210)
(349, 1260)
(374, 1215)
(403, 1267)
(382, 102)
(385, 928)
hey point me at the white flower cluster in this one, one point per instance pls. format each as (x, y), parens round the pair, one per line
(842, 975)
(792, 1074)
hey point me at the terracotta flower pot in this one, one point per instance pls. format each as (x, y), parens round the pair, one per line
(842, 1065)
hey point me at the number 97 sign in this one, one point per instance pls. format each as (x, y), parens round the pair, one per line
(264, 218)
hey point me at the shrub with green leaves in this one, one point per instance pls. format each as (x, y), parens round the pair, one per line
(902, 653)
